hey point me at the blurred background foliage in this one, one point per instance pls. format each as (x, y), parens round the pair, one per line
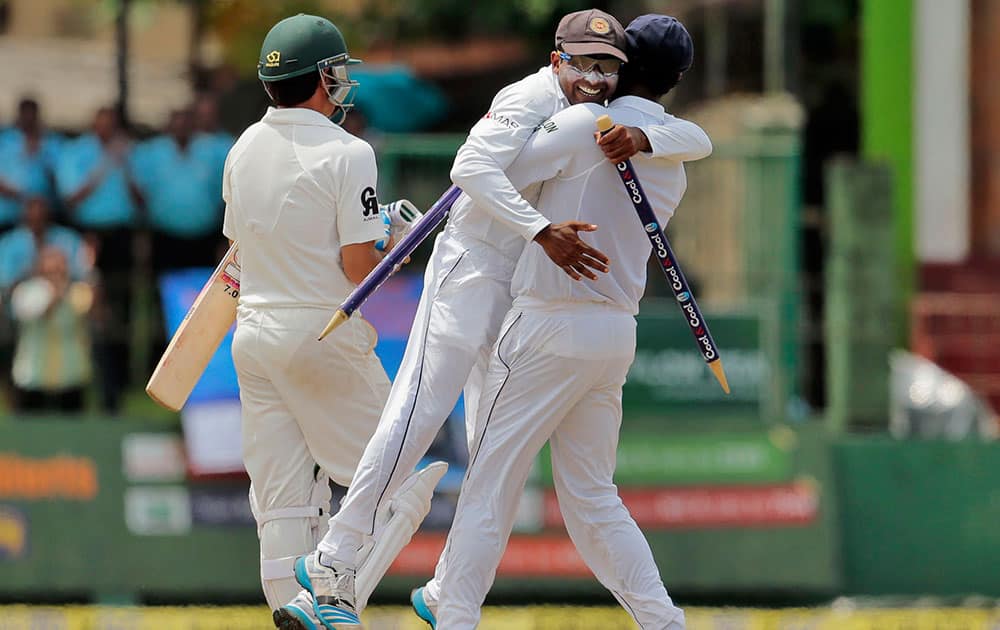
(386, 23)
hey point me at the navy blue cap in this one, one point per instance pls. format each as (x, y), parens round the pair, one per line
(659, 47)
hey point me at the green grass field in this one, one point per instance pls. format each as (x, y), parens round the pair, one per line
(504, 618)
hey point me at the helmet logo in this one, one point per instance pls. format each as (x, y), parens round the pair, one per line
(599, 25)
(273, 58)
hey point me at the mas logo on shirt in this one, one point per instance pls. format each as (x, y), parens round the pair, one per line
(369, 204)
(502, 119)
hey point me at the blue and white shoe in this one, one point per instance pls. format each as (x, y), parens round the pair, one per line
(297, 614)
(332, 589)
(425, 610)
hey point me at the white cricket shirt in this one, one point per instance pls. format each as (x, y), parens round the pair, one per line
(298, 188)
(492, 210)
(579, 184)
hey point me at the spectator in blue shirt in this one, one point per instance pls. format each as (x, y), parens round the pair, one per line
(19, 247)
(211, 142)
(180, 180)
(94, 177)
(27, 154)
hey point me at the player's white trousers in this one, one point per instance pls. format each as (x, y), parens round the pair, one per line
(304, 404)
(556, 375)
(466, 294)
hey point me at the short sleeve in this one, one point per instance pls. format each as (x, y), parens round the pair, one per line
(358, 219)
(228, 220)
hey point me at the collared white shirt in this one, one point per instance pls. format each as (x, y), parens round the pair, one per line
(492, 209)
(577, 183)
(298, 188)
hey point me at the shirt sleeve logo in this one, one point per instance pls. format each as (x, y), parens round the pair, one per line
(502, 119)
(369, 203)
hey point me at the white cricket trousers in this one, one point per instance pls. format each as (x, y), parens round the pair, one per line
(305, 404)
(466, 294)
(556, 375)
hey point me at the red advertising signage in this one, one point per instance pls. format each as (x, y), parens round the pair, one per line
(547, 555)
(793, 504)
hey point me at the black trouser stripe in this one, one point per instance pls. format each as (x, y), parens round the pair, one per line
(447, 545)
(495, 398)
(624, 603)
(420, 374)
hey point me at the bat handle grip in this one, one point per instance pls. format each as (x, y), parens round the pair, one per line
(604, 124)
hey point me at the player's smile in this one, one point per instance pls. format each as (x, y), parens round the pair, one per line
(586, 91)
(591, 94)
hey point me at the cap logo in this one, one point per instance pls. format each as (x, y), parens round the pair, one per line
(600, 26)
(273, 58)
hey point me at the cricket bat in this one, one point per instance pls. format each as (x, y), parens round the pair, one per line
(198, 337)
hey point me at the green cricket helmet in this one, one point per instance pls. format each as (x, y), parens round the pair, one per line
(302, 44)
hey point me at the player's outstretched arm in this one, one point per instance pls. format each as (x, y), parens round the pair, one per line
(678, 140)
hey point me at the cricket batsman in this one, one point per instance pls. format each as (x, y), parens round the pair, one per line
(301, 204)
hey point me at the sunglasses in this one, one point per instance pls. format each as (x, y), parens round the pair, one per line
(583, 64)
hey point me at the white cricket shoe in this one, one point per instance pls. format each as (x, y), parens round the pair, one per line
(332, 590)
(297, 614)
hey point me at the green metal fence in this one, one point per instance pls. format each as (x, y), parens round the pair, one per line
(415, 166)
(861, 292)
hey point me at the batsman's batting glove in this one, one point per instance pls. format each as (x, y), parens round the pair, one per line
(382, 243)
(402, 215)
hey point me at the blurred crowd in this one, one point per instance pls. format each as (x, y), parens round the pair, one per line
(84, 222)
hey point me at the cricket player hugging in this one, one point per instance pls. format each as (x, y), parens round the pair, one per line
(300, 203)
(557, 369)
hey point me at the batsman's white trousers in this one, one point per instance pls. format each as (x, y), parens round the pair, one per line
(556, 375)
(466, 294)
(304, 404)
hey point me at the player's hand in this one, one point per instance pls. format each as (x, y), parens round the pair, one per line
(622, 142)
(567, 250)
(403, 215)
(392, 243)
